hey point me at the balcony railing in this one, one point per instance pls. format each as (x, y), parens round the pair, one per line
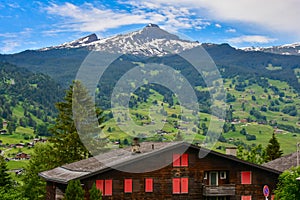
(219, 190)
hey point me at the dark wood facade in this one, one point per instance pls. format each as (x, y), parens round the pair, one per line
(215, 176)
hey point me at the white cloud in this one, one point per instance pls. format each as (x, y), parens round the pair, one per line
(13, 5)
(9, 45)
(251, 39)
(231, 30)
(272, 15)
(88, 18)
(13, 40)
(218, 25)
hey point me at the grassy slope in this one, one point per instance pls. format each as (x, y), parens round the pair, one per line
(262, 132)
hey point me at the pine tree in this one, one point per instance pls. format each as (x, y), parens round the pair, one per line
(1, 123)
(74, 191)
(273, 149)
(5, 180)
(95, 194)
(74, 113)
(42, 159)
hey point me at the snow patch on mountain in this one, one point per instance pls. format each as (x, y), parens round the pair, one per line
(287, 49)
(149, 41)
(84, 41)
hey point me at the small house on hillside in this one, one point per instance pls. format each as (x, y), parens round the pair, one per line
(176, 170)
(37, 140)
(20, 145)
(4, 123)
(22, 156)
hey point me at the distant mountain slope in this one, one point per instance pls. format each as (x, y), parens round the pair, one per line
(18, 85)
(287, 49)
(62, 62)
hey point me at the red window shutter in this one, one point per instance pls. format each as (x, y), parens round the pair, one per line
(100, 185)
(246, 198)
(185, 160)
(176, 160)
(176, 185)
(246, 177)
(128, 185)
(108, 188)
(148, 185)
(184, 185)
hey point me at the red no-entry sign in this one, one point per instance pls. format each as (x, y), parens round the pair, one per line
(266, 191)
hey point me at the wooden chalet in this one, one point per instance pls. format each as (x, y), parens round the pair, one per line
(165, 171)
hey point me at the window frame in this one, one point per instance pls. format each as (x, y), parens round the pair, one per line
(205, 175)
(223, 175)
(180, 160)
(105, 190)
(176, 160)
(180, 185)
(128, 188)
(244, 182)
(246, 197)
(147, 189)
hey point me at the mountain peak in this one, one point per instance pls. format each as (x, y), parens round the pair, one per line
(149, 41)
(85, 40)
(152, 25)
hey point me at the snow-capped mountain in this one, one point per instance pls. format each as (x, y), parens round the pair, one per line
(84, 41)
(149, 41)
(288, 49)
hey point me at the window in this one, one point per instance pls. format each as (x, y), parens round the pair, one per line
(128, 185)
(148, 185)
(108, 187)
(176, 185)
(184, 160)
(184, 185)
(246, 198)
(180, 185)
(213, 178)
(205, 175)
(105, 186)
(180, 160)
(246, 177)
(222, 175)
(176, 160)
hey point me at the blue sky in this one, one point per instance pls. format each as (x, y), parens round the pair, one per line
(28, 24)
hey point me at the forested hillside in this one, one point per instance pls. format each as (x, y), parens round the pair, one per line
(27, 99)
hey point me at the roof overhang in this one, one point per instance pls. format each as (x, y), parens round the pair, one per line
(64, 175)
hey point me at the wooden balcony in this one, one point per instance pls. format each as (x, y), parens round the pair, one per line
(220, 190)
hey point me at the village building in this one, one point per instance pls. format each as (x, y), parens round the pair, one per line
(3, 132)
(20, 145)
(37, 140)
(22, 156)
(176, 170)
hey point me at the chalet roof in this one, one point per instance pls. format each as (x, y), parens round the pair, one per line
(283, 163)
(120, 157)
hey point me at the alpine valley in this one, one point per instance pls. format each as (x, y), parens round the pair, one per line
(262, 88)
